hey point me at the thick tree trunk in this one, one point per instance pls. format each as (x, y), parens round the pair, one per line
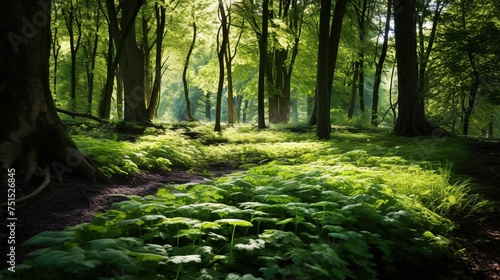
(411, 120)
(32, 136)
(333, 49)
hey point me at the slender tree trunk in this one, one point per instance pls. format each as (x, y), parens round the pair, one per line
(323, 96)
(160, 30)
(361, 65)
(230, 93)
(208, 107)
(244, 111)
(56, 46)
(33, 137)
(184, 76)
(71, 18)
(262, 65)
(380, 66)
(146, 50)
(90, 67)
(220, 55)
(425, 53)
(119, 95)
(352, 97)
(104, 110)
(411, 120)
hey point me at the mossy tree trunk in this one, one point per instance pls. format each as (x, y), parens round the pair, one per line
(32, 135)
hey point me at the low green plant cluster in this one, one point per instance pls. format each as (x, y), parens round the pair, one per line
(171, 149)
(336, 217)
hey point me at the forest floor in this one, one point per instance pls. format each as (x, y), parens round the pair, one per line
(72, 202)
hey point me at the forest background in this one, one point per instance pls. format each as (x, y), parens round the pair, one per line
(178, 43)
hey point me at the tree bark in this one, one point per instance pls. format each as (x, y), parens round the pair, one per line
(411, 120)
(262, 65)
(220, 55)
(71, 18)
(33, 137)
(333, 48)
(352, 97)
(160, 30)
(323, 104)
(380, 66)
(184, 76)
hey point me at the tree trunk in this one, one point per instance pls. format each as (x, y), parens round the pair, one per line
(333, 48)
(33, 136)
(90, 66)
(146, 51)
(352, 97)
(131, 58)
(323, 127)
(208, 107)
(380, 66)
(184, 76)
(160, 30)
(104, 110)
(119, 95)
(220, 55)
(70, 19)
(56, 47)
(262, 65)
(411, 120)
(425, 52)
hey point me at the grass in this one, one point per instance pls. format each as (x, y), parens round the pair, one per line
(361, 206)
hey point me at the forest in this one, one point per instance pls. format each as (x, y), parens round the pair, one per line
(250, 139)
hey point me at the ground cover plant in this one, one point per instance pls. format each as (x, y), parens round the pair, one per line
(362, 206)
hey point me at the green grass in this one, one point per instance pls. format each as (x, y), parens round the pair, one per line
(360, 206)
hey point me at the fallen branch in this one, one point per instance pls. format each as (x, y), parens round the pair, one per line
(83, 115)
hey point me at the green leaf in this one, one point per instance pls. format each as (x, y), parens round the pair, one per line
(185, 259)
(235, 222)
(50, 237)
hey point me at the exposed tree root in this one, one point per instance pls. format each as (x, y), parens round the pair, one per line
(83, 115)
(45, 183)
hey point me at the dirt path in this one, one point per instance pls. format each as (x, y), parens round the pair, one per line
(72, 202)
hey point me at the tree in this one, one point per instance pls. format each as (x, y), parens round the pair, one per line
(262, 64)
(411, 120)
(184, 76)
(33, 138)
(131, 58)
(333, 49)
(221, 55)
(71, 14)
(379, 66)
(89, 46)
(322, 93)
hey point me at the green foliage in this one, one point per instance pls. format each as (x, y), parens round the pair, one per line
(336, 213)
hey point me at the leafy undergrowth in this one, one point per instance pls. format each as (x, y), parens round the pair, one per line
(162, 150)
(362, 206)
